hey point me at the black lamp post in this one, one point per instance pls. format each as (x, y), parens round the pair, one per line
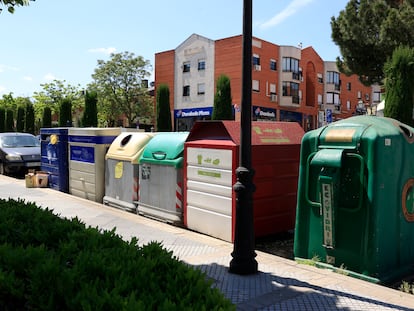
(243, 254)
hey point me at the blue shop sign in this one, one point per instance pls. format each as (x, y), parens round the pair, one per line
(193, 112)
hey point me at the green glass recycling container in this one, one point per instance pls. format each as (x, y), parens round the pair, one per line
(355, 205)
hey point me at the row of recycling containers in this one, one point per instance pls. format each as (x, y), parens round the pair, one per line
(346, 188)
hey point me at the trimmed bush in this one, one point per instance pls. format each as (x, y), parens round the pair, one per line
(49, 263)
(164, 123)
(20, 119)
(9, 121)
(29, 118)
(65, 112)
(2, 119)
(90, 115)
(47, 117)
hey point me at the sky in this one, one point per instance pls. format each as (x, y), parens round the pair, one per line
(63, 40)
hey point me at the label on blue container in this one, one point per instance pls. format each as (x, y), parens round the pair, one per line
(82, 154)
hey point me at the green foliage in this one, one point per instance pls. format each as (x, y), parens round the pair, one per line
(164, 123)
(11, 4)
(399, 96)
(53, 93)
(368, 31)
(29, 119)
(47, 117)
(223, 109)
(65, 112)
(50, 263)
(9, 121)
(2, 119)
(90, 114)
(121, 88)
(20, 119)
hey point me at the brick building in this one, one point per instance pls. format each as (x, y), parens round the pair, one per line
(288, 83)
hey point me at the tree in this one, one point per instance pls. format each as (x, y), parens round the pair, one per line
(164, 123)
(399, 77)
(121, 88)
(222, 109)
(9, 121)
(65, 112)
(29, 119)
(2, 119)
(47, 117)
(52, 95)
(90, 114)
(20, 119)
(11, 4)
(368, 31)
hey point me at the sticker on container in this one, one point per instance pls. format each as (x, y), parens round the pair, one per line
(119, 169)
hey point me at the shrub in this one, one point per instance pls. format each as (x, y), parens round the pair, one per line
(29, 118)
(90, 115)
(47, 117)
(65, 112)
(9, 121)
(2, 119)
(222, 109)
(163, 109)
(20, 119)
(49, 263)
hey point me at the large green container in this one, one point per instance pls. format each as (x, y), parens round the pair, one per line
(355, 207)
(161, 177)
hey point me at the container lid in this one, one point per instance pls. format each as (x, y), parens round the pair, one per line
(263, 133)
(129, 146)
(166, 148)
(94, 131)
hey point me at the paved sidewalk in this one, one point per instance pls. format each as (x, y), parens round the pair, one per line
(280, 284)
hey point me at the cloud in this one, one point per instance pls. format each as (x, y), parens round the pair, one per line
(103, 50)
(27, 78)
(50, 77)
(4, 68)
(288, 11)
(2, 89)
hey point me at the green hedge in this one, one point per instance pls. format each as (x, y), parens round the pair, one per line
(50, 263)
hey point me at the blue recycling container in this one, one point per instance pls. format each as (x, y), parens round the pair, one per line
(54, 151)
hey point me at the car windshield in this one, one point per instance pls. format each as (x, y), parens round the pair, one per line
(19, 141)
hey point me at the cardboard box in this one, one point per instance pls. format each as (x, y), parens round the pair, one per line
(30, 180)
(41, 179)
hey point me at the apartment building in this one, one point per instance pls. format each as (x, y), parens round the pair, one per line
(288, 83)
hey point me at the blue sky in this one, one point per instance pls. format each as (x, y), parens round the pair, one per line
(62, 39)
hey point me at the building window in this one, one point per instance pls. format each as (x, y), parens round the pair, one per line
(256, 59)
(348, 86)
(376, 97)
(320, 99)
(201, 89)
(332, 98)
(332, 77)
(320, 78)
(201, 64)
(255, 85)
(273, 65)
(348, 105)
(186, 67)
(272, 88)
(290, 64)
(186, 90)
(291, 89)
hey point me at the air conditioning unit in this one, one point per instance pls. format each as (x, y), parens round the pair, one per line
(257, 67)
(273, 97)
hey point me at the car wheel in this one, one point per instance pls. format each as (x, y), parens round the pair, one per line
(1, 168)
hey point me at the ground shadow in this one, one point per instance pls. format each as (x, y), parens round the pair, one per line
(265, 291)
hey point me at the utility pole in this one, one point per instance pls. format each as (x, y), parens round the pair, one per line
(243, 254)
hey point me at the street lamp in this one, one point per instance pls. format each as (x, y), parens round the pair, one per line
(243, 254)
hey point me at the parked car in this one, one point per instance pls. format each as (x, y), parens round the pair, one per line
(18, 152)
